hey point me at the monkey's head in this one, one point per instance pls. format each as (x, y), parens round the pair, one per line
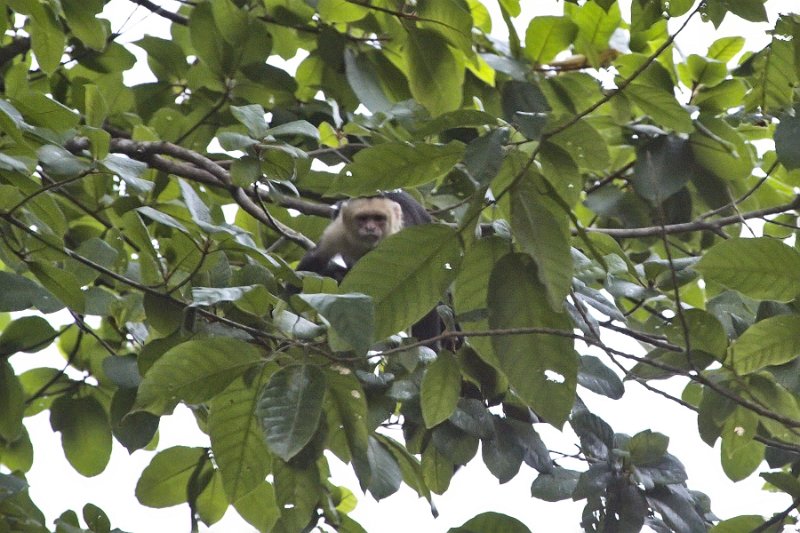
(368, 220)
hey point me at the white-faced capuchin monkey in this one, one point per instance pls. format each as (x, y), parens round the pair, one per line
(360, 224)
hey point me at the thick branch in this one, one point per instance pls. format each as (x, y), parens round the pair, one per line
(196, 167)
(160, 11)
(17, 46)
(696, 225)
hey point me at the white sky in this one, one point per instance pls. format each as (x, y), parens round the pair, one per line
(55, 487)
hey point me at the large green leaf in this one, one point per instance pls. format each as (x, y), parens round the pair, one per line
(236, 437)
(542, 368)
(772, 341)
(491, 522)
(721, 149)
(12, 403)
(352, 317)
(406, 275)
(435, 76)
(786, 135)
(346, 404)
(542, 230)
(85, 433)
(26, 334)
(762, 268)
(440, 389)
(290, 407)
(394, 165)
(165, 480)
(547, 36)
(194, 372)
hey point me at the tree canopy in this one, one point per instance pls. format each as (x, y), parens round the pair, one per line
(586, 178)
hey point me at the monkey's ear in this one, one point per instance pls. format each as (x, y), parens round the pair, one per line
(398, 212)
(337, 208)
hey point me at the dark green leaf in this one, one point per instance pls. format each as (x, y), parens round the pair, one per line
(236, 437)
(598, 378)
(491, 523)
(12, 403)
(406, 275)
(194, 371)
(352, 317)
(440, 389)
(541, 367)
(290, 407)
(556, 486)
(85, 433)
(27, 334)
(165, 480)
(739, 264)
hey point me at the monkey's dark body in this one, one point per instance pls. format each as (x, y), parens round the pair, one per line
(322, 261)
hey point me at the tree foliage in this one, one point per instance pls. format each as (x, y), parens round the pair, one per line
(586, 179)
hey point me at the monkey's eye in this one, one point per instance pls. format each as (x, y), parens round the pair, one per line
(371, 218)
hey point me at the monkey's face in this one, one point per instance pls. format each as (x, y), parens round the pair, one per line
(371, 226)
(368, 220)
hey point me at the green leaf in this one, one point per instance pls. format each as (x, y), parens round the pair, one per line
(585, 144)
(738, 524)
(130, 171)
(556, 486)
(725, 48)
(662, 106)
(290, 407)
(721, 149)
(96, 519)
(85, 433)
(542, 230)
(259, 508)
(786, 134)
(17, 454)
(231, 21)
(440, 389)
(60, 163)
(647, 447)
(334, 11)
(236, 437)
(12, 403)
(363, 79)
(27, 334)
(84, 23)
(491, 522)
(772, 341)
(662, 168)
(393, 165)
(776, 73)
(352, 316)
(406, 275)
(386, 473)
(301, 128)
(40, 110)
(165, 480)
(546, 36)
(207, 41)
(598, 378)
(47, 41)
(542, 368)
(449, 18)
(348, 401)
(252, 116)
(436, 77)
(60, 283)
(740, 264)
(484, 155)
(194, 372)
